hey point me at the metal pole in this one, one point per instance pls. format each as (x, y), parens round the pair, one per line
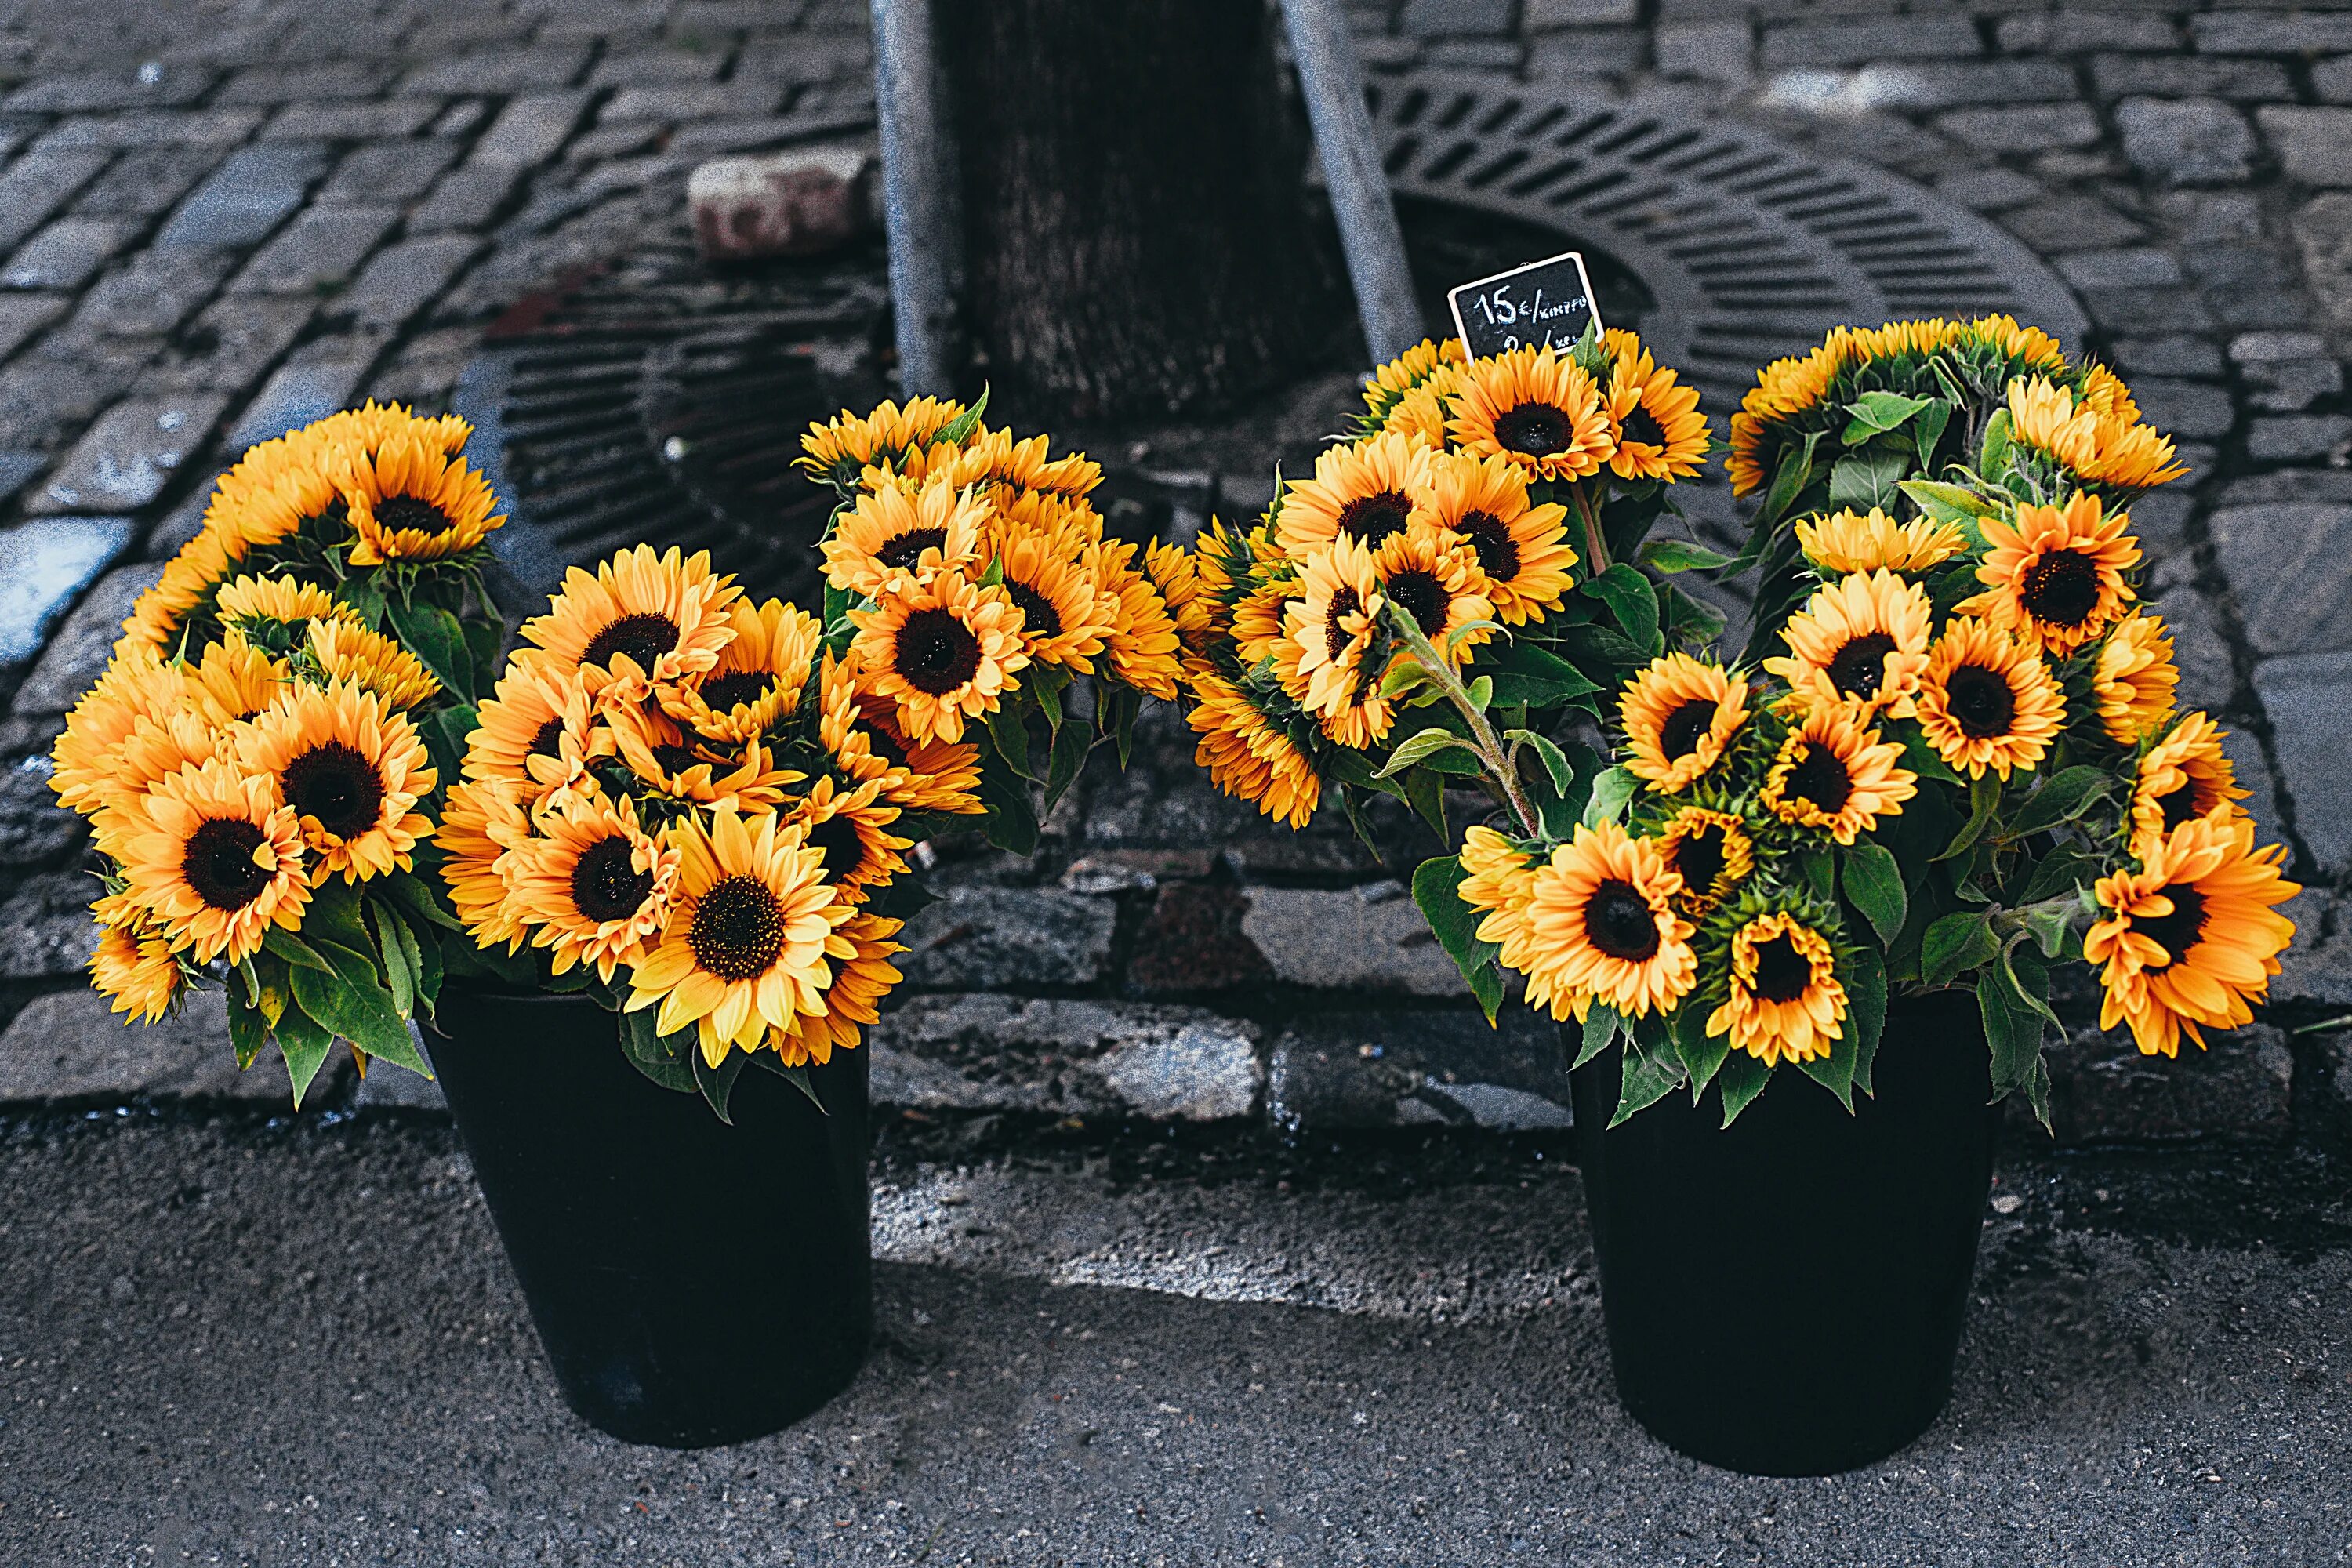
(1332, 84)
(917, 196)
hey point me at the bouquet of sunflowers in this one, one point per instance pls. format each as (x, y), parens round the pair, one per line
(699, 808)
(1958, 762)
(1455, 581)
(260, 759)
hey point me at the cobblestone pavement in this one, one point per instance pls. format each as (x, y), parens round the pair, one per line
(219, 218)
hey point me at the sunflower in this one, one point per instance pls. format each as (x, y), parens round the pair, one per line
(840, 449)
(155, 751)
(284, 487)
(744, 946)
(168, 614)
(1859, 643)
(412, 501)
(1410, 369)
(137, 971)
(1172, 570)
(895, 535)
(641, 620)
(1143, 648)
(1653, 422)
(1323, 658)
(759, 677)
(862, 976)
(1523, 549)
(1679, 715)
(2191, 936)
(1786, 1004)
(852, 827)
(1066, 617)
(353, 773)
(217, 861)
(1497, 874)
(2181, 777)
(235, 680)
(994, 460)
(349, 651)
(539, 731)
(2056, 574)
(859, 732)
(1536, 409)
(944, 651)
(2027, 347)
(1258, 617)
(1600, 926)
(668, 761)
(1366, 491)
(1743, 459)
(376, 425)
(136, 686)
(1988, 700)
(1833, 774)
(596, 884)
(1422, 414)
(1858, 542)
(1787, 387)
(2099, 445)
(2134, 679)
(1436, 579)
(277, 609)
(1248, 755)
(1711, 851)
(484, 833)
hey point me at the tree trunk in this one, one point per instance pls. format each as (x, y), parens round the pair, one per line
(1139, 239)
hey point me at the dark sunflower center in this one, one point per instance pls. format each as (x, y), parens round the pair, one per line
(1618, 922)
(218, 863)
(1643, 426)
(1782, 972)
(1335, 635)
(645, 638)
(1537, 430)
(1490, 536)
(605, 884)
(675, 760)
(1981, 701)
(2062, 588)
(336, 784)
(1423, 595)
(1370, 518)
(845, 852)
(737, 930)
(2177, 932)
(1819, 779)
(1699, 858)
(883, 744)
(548, 739)
(737, 689)
(902, 552)
(1037, 612)
(1684, 728)
(1858, 666)
(407, 511)
(937, 653)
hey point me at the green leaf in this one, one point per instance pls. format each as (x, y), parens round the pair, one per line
(1984, 799)
(1864, 979)
(292, 949)
(2050, 925)
(2028, 981)
(304, 1043)
(1008, 729)
(1928, 429)
(1611, 792)
(1874, 413)
(1672, 555)
(1818, 872)
(1703, 1054)
(799, 1079)
(247, 1033)
(2062, 799)
(1874, 884)
(1993, 455)
(415, 896)
(398, 962)
(1481, 692)
(1011, 823)
(2012, 1030)
(1436, 890)
(1424, 791)
(1066, 761)
(1743, 1077)
(1647, 1080)
(1919, 756)
(662, 1060)
(1555, 760)
(438, 641)
(718, 1083)
(960, 427)
(1954, 944)
(1788, 482)
(1527, 674)
(1599, 1028)
(1868, 479)
(353, 1004)
(334, 917)
(1426, 743)
(1631, 599)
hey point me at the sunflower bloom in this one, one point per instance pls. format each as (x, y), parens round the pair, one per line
(1322, 659)
(2184, 776)
(1522, 549)
(135, 688)
(1437, 582)
(1534, 408)
(1367, 491)
(852, 827)
(2056, 577)
(1988, 700)
(349, 651)
(757, 678)
(1143, 648)
(136, 971)
(641, 620)
(1712, 852)
(1246, 754)
(596, 884)
(1858, 541)
(1498, 878)
(1171, 571)
(1600, 926)
(895, 536)
(235, 680)
(1679, 716)
(1410, 369)
(840, 449)
(1653, 421)
(217, 862)
(352, 774)
(2100, 445)
(1860, 644)
(1786, 1004)
(279, 608)
(945, 651)
(863, 974)
(1833, 774)
(485, 834)
(412, 501)
(2134, 679)
(860, 734)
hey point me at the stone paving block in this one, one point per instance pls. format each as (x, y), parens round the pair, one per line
(2285, 372)
(1989, 190)
(2285, 563)
(146, 127)
(322, 246)
(68, 1048)
(2173, 354)
(22, 315)
(530, 130)
(2021, 128)
(351, 122)
(255, 191)
(1538, 14)
(2310, 142)
(17, 466)
(2102, 1090)
(2140, 268)
(85, 92)
(2199, 649)
(2196, 217)
(404, 278)
(45, 929)
(37, 185)
(145, 180)
(1371, 938)
(2323, 231)
(1354, 1069)
(2172, 76)
(274, 83)
(34, 828)
(388, 172)
(639, 68)
(44, 565)
(817, 59)
(2299, 437)
(150, 297)
(2246, 285)
(466, 198)
(2128, 311)
(126, 459)
(1714, 51)
(228, 346)
(2317, 972)
(2189, 143)
(461, 118)
(984, 1052)
(2287, 31)
(67, 253)
(2309, 700)
(2331, 80)
(992, 938)
(77, 654)
(2184, 407)
(2071, 31)
(693, 100)
(516, 71)
(297, 393)
(1881, 38)
(2070, 223)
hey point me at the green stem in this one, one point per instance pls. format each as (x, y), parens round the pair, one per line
(1596, 543)
(1500, 763)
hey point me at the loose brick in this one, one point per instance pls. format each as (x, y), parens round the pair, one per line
(67, 253)
(2023, 129)
(530, 130)
(2311, 143)
(1859, 42)
(2123, 76)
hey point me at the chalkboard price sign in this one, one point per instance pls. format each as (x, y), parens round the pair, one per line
(1545, 302)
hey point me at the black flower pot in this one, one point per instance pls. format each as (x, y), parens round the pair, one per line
(693, 1282)
(1784, 1297)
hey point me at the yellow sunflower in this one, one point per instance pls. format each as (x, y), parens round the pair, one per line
(2134, 679)
(1408, 370)
(1172, 570)
(155, 751)
(2028, 347)
(1259, 616)
(759, 677)
(1143, 648)
(1534, 408)
(1860, 644)
(412, 501)
(235, 680)
(217, 862)
(1988, 700)
(1653, 421)
(895, 535)
(840, 448)
(160, 618)
(1712, 852)
(1326, 639)
(136, 686)
(1600, 926)
(2056, 577)
(2191, 936)
(1498, 879)
(349, 651)
(1065, 617)
(1247, 755)
(1523, 549)
(282, 487)
(993, 459)
(2103, 446)
(1834, 774)
(859, 732)
(136, 971)
(484, 833)
(1423, 414)
(743, 948)
(353, 773)
(944, 651)
(1367, 491)
(641, 620)
(1436, 579)
(862, 976)
(670, 761)
(2184, 776)
(1786, 1004)
(280, 607)
(852, 827)
(1679, 715)
(374, 424)
(1858, 542)
(539, 731)
(594, 884)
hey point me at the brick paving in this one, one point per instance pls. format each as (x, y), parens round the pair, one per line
(216, 221)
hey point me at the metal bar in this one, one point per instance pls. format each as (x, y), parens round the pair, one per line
(917, 196)
(1333, 86)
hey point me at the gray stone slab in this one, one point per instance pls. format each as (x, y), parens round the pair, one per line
(299, 392)
(2287, 385)
(351, 120)
(676, 101)
(1712, 51)
(2299, 437)
(2323, 231)
(35, 830)
(1369, 938)
(2285, 566)
(77, 651)
(125, 459)
(2317, 972)
(44, 564)
(68, 1048)
(2142, 267)
(2027, 128)
(2073, 31)
(1858, 42)
(1401, 1068)
(39, 182)
(2188, 142)
(2176, 76)
(248, 196)
(18, 465)
(1989, 190)
(2237, 1089)
(403, 279)
(993, 939)
(520, 69)
(147, 127)
(388, 172)
(992, 1053)
(45, 929)
(2314, 145)
(145, 180)
(229, 345)
(530, 130)
(280, 83)
(2309, 700)
(151, 295)
(466, 198)
(323, 247)
(2288, 30)
(87, 92)
(2176, 408)
(67, 253)
(2199, 649)
(22, 315)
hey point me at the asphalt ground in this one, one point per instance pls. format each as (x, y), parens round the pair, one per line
(235, 1341)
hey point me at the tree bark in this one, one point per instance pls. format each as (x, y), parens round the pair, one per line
(1139, 239)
